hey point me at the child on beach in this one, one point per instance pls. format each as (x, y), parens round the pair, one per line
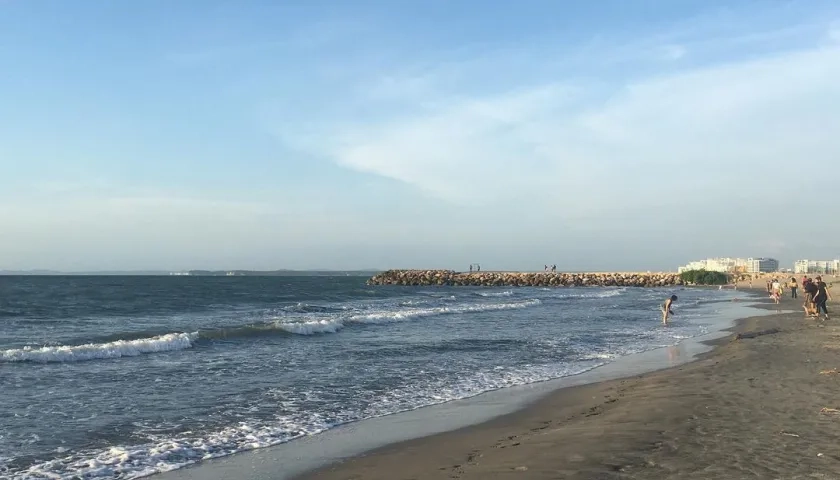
(776, 289)
(666, 309)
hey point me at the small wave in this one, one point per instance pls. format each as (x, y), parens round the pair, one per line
(602, 294)
(397, 315)
(98, 351)
(506, 293)
(310, 327)
(333, 325)
(309, 308)
(180, 341)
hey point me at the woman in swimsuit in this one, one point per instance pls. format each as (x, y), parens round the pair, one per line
(666, 309)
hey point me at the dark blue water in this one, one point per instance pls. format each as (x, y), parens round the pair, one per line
(120, 377)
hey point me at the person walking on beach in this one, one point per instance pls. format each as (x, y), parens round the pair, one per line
(793, 285)
(821, 297)
(666, 309)
(776, 288)
(810, 290)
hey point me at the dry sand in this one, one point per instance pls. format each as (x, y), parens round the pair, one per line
(749, 409)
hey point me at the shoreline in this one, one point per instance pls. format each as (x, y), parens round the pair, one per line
(575, 401)
(739, 410)
(308, 457)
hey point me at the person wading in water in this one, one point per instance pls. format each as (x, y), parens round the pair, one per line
(666, 309)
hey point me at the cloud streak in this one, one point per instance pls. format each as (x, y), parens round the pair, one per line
(725, 124)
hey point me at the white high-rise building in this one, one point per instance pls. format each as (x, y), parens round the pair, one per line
(733, 265)
(817, 266)
(698, 265)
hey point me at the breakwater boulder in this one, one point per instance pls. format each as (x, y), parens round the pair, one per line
(523, 279)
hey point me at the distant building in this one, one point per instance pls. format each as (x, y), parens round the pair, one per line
(733, 265)
(697, 265)
(762, 265)
(817, 266)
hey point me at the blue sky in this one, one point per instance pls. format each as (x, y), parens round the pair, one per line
(594, 135)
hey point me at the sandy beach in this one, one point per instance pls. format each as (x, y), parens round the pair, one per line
(760, 405)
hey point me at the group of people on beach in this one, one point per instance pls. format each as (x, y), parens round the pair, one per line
(816, 296)
(815, 289)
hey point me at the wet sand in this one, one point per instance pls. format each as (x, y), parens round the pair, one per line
(751, 408)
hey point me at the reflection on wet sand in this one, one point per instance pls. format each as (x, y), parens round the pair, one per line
(676, 353)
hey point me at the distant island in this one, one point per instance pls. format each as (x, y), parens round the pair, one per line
(203, 273)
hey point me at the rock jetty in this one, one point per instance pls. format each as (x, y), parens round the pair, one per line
(523, 279)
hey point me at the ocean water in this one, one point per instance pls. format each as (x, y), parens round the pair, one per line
(123, 377)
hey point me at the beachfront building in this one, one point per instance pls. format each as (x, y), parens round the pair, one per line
(817, 266)
(762, 265)
(698, 265)
(733, 265)
(724, 265)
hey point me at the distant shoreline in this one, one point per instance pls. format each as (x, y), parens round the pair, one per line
(196, 273)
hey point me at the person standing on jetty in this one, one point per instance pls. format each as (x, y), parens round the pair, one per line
(666, 309)
(821, 297)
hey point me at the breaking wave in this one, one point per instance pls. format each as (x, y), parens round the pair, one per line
(98, 351)
(180, 341)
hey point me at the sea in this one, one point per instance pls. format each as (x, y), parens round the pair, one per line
(122, 377)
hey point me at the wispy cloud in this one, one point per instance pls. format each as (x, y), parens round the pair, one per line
(721, 124)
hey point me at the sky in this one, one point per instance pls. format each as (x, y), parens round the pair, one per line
(606, 135)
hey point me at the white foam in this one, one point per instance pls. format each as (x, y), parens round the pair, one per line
(97, 351)
(601, 294)
(397, 315)
(506, 293)
(598, 356)
(172, 453)
(333, 324)
(311, 327)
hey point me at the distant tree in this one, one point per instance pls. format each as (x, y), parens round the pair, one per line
(703, 277)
